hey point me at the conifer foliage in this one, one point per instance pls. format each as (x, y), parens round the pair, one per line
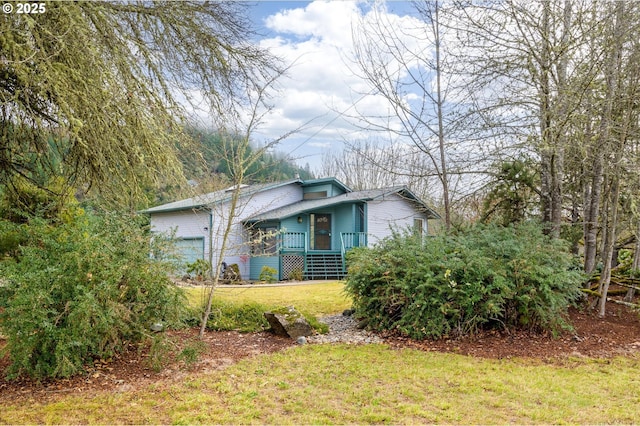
(79, 291)
(457, 284)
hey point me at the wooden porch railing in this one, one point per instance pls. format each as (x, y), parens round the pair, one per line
(315, 264)
(353, 239)
(294, 241)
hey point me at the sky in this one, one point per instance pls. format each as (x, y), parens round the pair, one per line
(320, 88)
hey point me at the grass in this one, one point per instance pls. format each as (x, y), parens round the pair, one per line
(366, 384)
(315, 299)
(242, 308)
(329, 384)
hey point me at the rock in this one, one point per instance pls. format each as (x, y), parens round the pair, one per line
(232, 273)
(288, 322)
(301, 340)
(348, 312)
(157, 327)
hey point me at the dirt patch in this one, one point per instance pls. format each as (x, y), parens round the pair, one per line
(616, 334)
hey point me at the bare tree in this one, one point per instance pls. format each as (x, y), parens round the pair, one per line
(619, 119)
(527, 78)
(240, 157)
(406, 68)
(367, 164)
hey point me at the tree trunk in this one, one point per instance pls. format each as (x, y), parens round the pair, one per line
(635, 266)
(592, 213)
(553, 116)
(440, 112)
(615, 127)
(605, 277)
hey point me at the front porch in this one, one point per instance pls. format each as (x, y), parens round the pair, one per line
(294, 256)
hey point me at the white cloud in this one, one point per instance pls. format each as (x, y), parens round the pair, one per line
(320, 95)
(329, 21)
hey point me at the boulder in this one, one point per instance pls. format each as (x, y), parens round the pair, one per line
(288, 322)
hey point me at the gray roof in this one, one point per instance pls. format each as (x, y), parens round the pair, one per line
(350, 197)
(205, 200)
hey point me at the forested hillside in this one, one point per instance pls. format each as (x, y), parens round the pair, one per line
(206, 166)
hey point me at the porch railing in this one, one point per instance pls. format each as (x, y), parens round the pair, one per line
(297, 241)
(353, 239)
(294, 241)
(320, 263)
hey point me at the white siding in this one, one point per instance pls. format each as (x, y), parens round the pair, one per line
(187, 224)
(391, 213)
(196, 224)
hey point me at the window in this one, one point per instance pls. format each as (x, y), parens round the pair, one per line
(314, 195)
(263, 240)
(418, 227)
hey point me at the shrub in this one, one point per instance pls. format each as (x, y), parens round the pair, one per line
(82, 290)
(268, 274)
(296, 275)
(199, 267)
(247, 317)
(12, 236)
(485, 276)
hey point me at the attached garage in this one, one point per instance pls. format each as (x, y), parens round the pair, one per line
(189, 250)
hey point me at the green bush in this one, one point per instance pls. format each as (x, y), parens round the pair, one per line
(296, 275)
(82, 290)
(268, 274)
(247, 317)
(485, 276)
(12, 236)
(199, 267)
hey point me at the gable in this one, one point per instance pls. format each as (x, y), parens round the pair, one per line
(315, 189)
(393, 212)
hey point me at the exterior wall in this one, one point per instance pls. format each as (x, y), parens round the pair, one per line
(391, 213)
(343, 221)
(187, 224)
(202, 224)
(332, 190)
(258, 262)
(291, 224)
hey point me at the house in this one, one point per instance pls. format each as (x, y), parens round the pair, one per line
(296, 225)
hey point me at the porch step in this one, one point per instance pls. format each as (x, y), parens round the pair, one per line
(324, 266)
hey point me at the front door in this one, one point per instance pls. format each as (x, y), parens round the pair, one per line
(322, 232)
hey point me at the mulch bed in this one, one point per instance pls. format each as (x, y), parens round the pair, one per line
(618, 333)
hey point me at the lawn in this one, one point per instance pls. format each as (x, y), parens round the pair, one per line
(316, 299)
(365, 384)
(337, 384)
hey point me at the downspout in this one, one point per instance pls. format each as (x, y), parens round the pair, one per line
(210, 243)
(365, 222)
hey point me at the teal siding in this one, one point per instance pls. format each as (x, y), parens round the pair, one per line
(344, 218)
(258, 262)
(332, 190)
(291, 224)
